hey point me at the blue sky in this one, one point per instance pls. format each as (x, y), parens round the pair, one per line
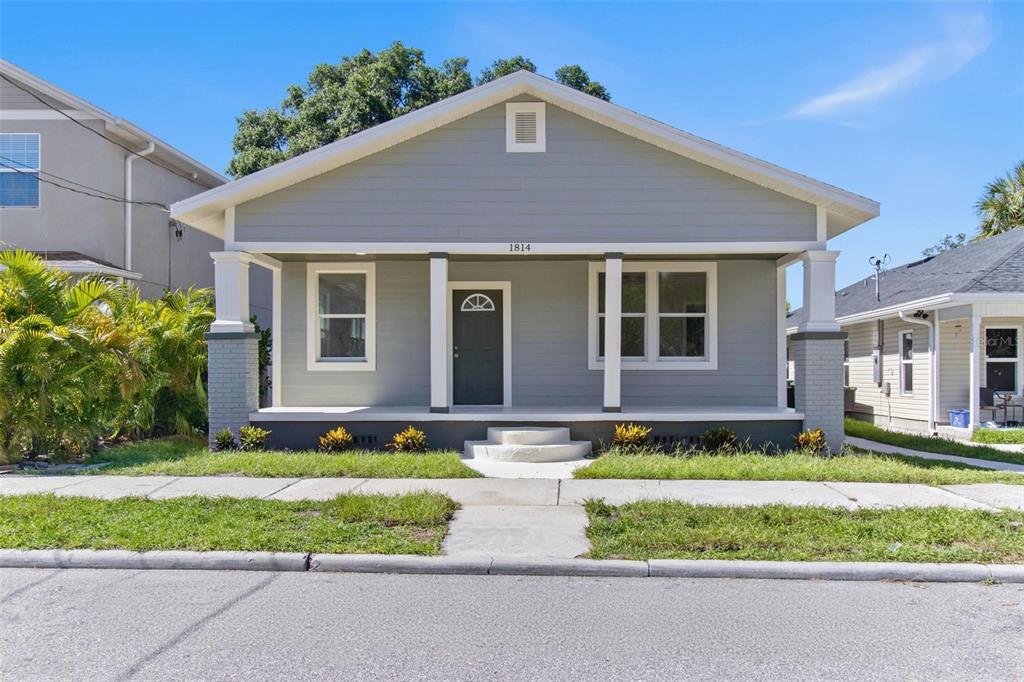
(915, 105)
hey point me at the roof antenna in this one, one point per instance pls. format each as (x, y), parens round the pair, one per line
(879, 265)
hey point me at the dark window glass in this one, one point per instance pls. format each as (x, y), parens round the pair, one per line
(1001, 376)
(1001, 343)
(343, 294)
(682, 292)
(342, 337)
(681, 337)
(634, 292)
(632, 337)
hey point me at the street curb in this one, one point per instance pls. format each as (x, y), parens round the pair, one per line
(172, 560)
(508, 565)
(398, 563)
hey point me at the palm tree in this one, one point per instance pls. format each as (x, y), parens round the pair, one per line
(1002, 206)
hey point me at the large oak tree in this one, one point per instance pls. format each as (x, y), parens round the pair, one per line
(362, 91)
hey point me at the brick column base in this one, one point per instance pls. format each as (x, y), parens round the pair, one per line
(233, 375)
(818, 378)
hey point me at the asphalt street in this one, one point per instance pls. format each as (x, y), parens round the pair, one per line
(205, 625)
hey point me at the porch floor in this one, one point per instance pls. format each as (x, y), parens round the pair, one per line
(526, 414)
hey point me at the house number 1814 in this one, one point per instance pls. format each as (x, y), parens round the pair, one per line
(519, 247)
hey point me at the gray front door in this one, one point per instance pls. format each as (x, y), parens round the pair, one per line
(477, 347)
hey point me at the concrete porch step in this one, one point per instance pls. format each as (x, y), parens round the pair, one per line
(498, 452)
(530, 435)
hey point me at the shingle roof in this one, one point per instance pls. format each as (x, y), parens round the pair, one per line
(994, 265)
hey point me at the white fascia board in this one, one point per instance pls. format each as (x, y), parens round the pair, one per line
(931, 303)
(853, 207)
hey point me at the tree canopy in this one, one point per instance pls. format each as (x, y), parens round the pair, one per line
(362, 91)
(1001, 207)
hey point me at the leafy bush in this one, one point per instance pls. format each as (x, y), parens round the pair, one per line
(811, 441)
(1011, 436)
(409, 440)
(252, 438)
(336, 440)
(85, 358)
(631, 436)
(719, 439)
(224, 440)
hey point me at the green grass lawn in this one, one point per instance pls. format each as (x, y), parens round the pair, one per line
(677, 530)
(185, 457)
(1007, 436)
(861, 429)
(405, 524)
(792, 466)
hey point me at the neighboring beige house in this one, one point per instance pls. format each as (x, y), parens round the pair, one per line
(57, 151)
(524, 254)
(944, 333)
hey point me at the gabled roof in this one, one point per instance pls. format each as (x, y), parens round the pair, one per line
(123, 131)
(990, 266)
(205, 210)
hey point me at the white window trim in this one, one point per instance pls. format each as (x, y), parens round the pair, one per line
(651, 359)
(1019, 359)
(38, 172)
(506, 339)
(510, 127)
(903, 361)
(313, 361)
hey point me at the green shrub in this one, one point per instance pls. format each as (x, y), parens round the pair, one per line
(336, 440)
(410, 439)
(252, 438)
(224, 440)
(811, 441)
(1010, 436)
(88, 358)
(719, 439)
(631, 436)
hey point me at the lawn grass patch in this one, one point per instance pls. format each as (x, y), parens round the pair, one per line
(943, 446)
(1004, 436)
(678, 530)
(792, 466)
(415, 523)
(187, 457)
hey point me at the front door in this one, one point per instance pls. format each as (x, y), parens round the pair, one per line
(477, 347)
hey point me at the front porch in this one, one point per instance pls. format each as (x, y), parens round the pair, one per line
(299, 427)
(454, 343)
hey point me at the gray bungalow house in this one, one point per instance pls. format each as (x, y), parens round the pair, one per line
(944, 333)
(525, 254)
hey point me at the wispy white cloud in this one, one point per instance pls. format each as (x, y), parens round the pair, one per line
(964, 38)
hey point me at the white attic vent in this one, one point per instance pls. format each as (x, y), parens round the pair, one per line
(524, 127)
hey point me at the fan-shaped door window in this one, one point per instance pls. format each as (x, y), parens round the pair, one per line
(477, 303)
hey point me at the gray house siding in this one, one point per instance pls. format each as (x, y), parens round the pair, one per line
(549, 340)
(457, 183)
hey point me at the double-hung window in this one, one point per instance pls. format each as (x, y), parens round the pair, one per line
(341, 316)
(1003, 359)
(907, 363)
(668, 315)
(19, 170)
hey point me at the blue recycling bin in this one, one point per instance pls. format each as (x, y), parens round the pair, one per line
(960, 418)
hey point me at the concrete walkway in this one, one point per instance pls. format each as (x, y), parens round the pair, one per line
(866, 444)
(531, 517)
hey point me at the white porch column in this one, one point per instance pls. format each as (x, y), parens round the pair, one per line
(977, 349)
(613, 332)
(231, 279)
(438, 332)
(818, 351)
(820, 291)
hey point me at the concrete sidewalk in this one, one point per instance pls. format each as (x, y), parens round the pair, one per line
(885, 448)
(525, 492)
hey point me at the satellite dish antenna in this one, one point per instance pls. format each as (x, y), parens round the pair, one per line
(879, 265)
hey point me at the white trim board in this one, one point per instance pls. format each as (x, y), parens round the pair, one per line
(506, 334)
(536, 248)
(850, 208)
(418, 414)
